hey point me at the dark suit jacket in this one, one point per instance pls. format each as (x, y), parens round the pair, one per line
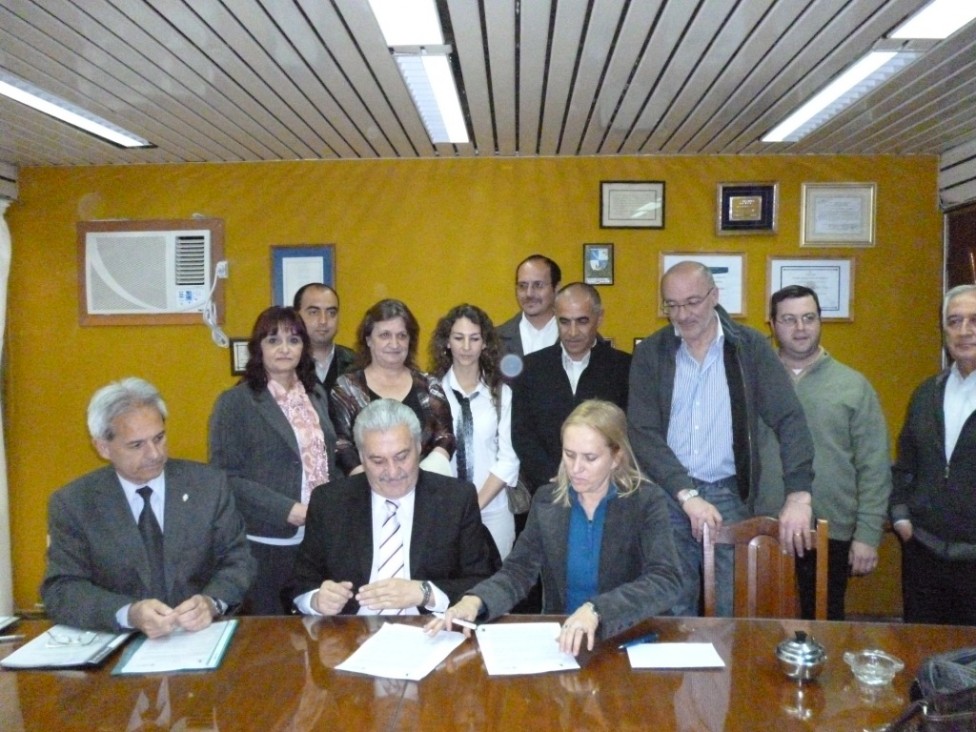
(448, 545)
(252, 440)
(96, 561)
(638, 574)
(542, 398)
(509, 336)
(342, 361)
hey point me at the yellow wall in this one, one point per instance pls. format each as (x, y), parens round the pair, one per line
(434, 233)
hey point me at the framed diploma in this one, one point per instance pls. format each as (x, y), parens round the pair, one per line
(832, 278)
(837, 215)
(293, 266)
(746, 208)
(627, 204)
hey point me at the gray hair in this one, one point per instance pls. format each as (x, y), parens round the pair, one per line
(690, 265)
(952, 294)
(384, 415)
(117, 398)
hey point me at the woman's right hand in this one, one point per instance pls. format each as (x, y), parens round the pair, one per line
(296, 517)
(467, 608)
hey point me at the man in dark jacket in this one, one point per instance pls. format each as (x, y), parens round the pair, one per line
(698, 388)
(933, 502)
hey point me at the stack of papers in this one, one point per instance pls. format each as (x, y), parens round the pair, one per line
(179, 651)
(523, 648)
(64, 647)
(398, 651)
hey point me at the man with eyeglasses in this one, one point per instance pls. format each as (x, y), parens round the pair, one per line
(536, 281)
(852, 459)
(698, 390)
(933, 502)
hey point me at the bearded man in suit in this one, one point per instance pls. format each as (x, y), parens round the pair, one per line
(146, 543)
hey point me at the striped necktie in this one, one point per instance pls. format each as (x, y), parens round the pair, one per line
(391, 549)
(465, 438)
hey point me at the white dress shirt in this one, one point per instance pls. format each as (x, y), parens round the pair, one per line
(575, 369)
(958, 403)
(535, 339)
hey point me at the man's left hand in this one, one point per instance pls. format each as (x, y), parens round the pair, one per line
(862, 557)
(390, 594)
(794, 524)
(196, 613)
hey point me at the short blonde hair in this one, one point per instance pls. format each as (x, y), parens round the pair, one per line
(610, 421)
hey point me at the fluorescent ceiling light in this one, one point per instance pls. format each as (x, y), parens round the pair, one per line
(26, 93)
(408, 22)
(431, 83)
(938, 19)
(863, 77)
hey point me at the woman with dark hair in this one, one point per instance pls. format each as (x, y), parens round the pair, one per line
(272, 435)
(386, 351)
(464, 353)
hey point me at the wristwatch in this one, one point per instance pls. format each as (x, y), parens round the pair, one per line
(219, 605)
(688, 495)
(428, 591)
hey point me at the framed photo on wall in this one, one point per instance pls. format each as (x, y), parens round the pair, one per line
(837, 215)
(295, 265)
(238, 356)
(729, 271)
(832, 278)
(746, 208)
(598, 264)
(629, 204)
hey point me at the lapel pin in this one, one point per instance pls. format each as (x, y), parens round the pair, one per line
(185, 498)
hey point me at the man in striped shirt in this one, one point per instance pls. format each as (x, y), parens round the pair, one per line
(698, 388)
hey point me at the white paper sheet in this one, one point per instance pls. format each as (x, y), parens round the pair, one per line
(523, 648)
(6, 620)
(674, 655)
(398, 651)
(180, 651)
(63, 647)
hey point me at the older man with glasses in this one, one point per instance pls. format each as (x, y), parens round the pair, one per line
(698, 390)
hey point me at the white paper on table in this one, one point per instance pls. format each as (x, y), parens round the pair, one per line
(86, 648)
(674, 655)
(181, 650)
(398, 651)
(523, 648)
(6, 620)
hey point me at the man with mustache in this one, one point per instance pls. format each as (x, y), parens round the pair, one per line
(933, 502)
(536, 281)
(318, 306)
(698, 390)
(394, 539)
(147, 543)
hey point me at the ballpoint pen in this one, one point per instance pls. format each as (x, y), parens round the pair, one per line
(459, 621)
(649, 638)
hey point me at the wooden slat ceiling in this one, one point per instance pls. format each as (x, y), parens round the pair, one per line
(233, 80)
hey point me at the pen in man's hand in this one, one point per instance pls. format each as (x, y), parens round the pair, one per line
(649, 638)
(11, 638)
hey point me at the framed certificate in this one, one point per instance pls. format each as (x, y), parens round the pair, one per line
(628, 204)
(746, 208)
(832, 278)
(837, 215)
(598, 264)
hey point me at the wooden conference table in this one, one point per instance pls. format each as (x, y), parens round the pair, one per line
(278, 675)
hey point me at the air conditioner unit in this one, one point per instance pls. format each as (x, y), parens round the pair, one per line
(147, 272)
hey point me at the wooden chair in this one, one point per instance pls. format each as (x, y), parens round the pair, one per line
(765, 578)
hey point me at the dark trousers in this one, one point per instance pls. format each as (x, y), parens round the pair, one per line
(838, 570)
(936, 590)
(275, 564)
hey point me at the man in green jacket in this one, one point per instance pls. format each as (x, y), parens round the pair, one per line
(851, 460)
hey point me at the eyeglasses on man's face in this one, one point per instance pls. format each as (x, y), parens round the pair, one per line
(692, 303)
(791, 321)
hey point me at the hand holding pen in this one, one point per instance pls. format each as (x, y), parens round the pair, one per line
(463, 613)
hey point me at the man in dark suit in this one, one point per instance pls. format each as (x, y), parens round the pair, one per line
(556, 379)
(394, 539)
(104, 571)
(318, 304)
(536, 282)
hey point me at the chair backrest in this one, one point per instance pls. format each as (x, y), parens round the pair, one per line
(765, 578)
